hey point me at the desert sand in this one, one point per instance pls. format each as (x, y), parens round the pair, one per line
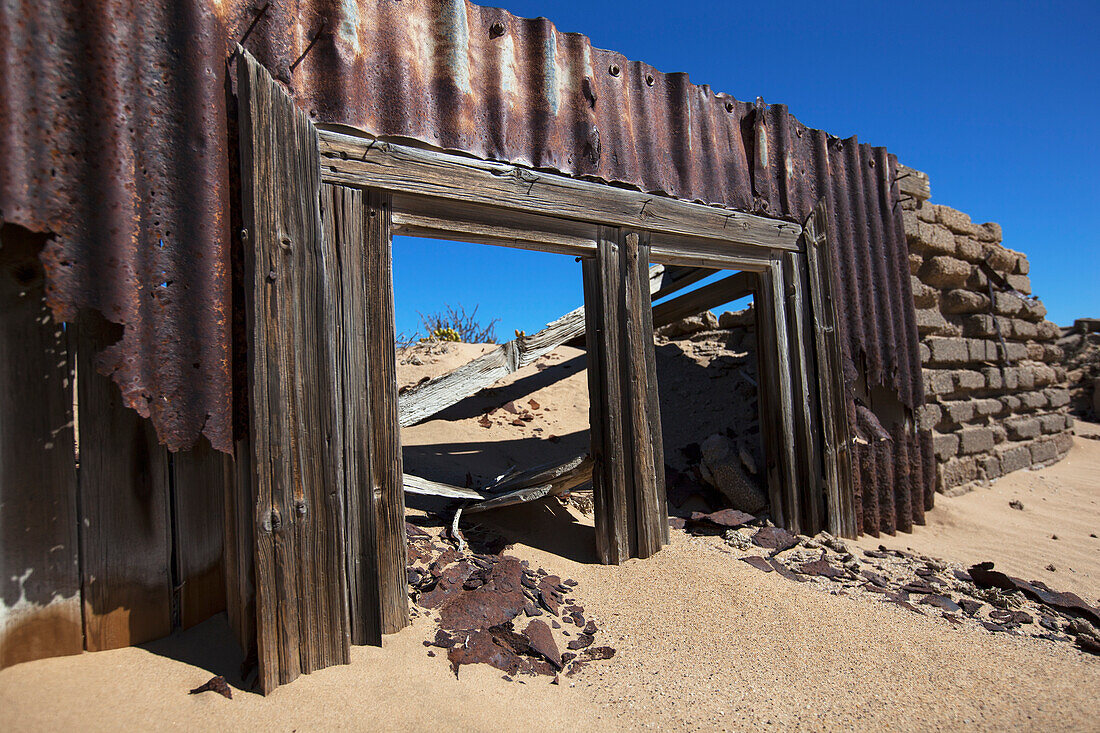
(704, 642)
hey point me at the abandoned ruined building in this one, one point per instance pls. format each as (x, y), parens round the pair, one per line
(197, 361)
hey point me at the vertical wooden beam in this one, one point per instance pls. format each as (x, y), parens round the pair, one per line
(387, 483)
(807, 431)
(345, 215)
(296, 433)
(628, 469)
(39, 570)
(776, 397)
(198, 492)
(836, 435)
(124, 512)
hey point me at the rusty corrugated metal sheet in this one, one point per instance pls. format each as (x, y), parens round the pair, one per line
(114, 139)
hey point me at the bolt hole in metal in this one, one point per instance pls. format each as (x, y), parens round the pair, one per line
(649, 80)
(614, 70)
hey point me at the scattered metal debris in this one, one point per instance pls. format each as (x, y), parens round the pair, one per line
(481, 597)
(978, 595)
(216, 684)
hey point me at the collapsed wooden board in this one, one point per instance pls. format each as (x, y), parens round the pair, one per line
(536, 483)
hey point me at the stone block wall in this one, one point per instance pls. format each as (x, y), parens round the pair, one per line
(995, 388)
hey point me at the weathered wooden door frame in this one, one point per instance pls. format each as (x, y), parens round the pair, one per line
(329, 198)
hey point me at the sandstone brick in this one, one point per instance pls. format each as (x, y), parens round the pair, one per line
(990, 232)
(968, 380)
(980, 325)
(1048, 331)
(982, 349)
(915, 262)
(926, 212)
(1016, 351)
(945, 445)
(1007, 304)
(975, 440)
(1053, 423)
(1034, 400)
(1063, 442)
(910, 223)
(1057, 396)
(1010, 403)
(948, 350)
(967, 249)
(1033, 310)
(1035, 351)
(945, 272)
(924, 296)
(1051, 352)
(1044, 375)
(1069, 422)
(957, 221)
(959, 411)
(1013, 457)
(1019, 282)
(938, 382)
(1023, 330)
(989, 467)
(925, 353)
(963, 301)
(993, 378)
(1060, 376)
(931, 240)
(1000, 259)
(978, 280)
(986, 407)
(928, 415)
(1011, 376)
(1022, 266)
(1043, 450)
(1022, 428)
(931, 321)
(1000, 435)
(956, 471)
(1025, 377)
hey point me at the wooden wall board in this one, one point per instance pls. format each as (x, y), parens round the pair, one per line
(40, 613)
(198, 495)
(123, 504)
(299, 568)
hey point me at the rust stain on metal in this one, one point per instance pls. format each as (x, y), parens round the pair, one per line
(116, 136)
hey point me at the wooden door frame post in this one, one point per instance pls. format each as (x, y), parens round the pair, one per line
(628, 469)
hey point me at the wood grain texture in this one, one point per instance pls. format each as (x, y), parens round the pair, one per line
(124, 511)
(804, 392)
(628, 494)
(299, 568)
(836, 434)
(385, 446)
(912, 182)
(785, 397)
(344, 212)
(420, 216)
(198, 496)
(39, 570)
(359, 161)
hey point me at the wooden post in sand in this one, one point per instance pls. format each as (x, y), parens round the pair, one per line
(628, 470)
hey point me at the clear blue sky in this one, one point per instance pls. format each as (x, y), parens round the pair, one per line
(999, 102)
